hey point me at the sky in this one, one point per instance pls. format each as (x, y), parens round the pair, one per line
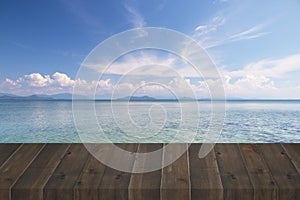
(254, 44)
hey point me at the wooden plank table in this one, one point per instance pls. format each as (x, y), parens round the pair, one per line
(229, 171)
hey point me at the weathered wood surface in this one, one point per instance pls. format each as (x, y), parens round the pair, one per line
(283, 170)
(233, 172)
(205, 176)
(229, 171)
(144, 186)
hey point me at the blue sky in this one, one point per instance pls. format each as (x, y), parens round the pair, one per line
(255, 44)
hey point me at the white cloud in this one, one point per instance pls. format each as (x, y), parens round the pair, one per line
(251, 33)
(36, 83)
(176, 87)
(160, 65)
(63, 80)
(37, 80)
(204, 33)
(210, 27)
(133, 65)
(261, 79)
(135, 17)
(11, 82)
(208, 35)
(130, 64)
(270, 68)
(249, 87)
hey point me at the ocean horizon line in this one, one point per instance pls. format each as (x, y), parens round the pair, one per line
(161, 100)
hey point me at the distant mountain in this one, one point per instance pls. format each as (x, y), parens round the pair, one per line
(6, 94)
(137, 98)
(62, 96)
(148, 98)
(32, 97)
(36, 97)
(186, 99)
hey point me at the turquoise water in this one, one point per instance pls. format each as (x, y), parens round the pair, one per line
(246, 121)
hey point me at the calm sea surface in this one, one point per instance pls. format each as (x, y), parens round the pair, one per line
(52, 121)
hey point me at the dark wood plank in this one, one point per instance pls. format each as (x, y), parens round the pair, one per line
(283, 171)
(30, 185)
(205, 177)
(175, 177)
(263, 183)
(87, 185)
(144, 186)
(235, 180)
(114, 183)
(61, 183)
(14, 167)
(293, 152)
(6, 150)
(231, 171)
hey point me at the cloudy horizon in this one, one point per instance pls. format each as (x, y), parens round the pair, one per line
(257, 56)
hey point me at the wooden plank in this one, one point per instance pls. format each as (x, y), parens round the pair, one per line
(114, 183)
(244, 171)
(263, 183)
(30, 185)
(14, 167)
(293, 152)
(283, 171)
(6, 150)
(87, 185)
(61, 183)
(235, 180)
(144, 186)
(175, 183)
(205, 177)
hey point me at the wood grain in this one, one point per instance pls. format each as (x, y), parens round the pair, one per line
(230, 171)
(235, 179)
(30, 185)
(14, 167)
(283, 171)
(6, 151)
(293, 152)
(87, 185)
(261, 178)
(144, 186)
(60, 185)
(114, 183)
(205, 177)
(175, 181)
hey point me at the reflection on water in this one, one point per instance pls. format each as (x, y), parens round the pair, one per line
(246, 121)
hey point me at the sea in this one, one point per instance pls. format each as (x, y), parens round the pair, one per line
(62, 121)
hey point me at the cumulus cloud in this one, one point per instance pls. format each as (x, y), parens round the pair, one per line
(174, 87)
(37, 83)
(261, 79)
(63, 79)
(11, 82)
(37, 80)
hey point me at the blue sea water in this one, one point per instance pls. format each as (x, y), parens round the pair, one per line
(246, 121)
